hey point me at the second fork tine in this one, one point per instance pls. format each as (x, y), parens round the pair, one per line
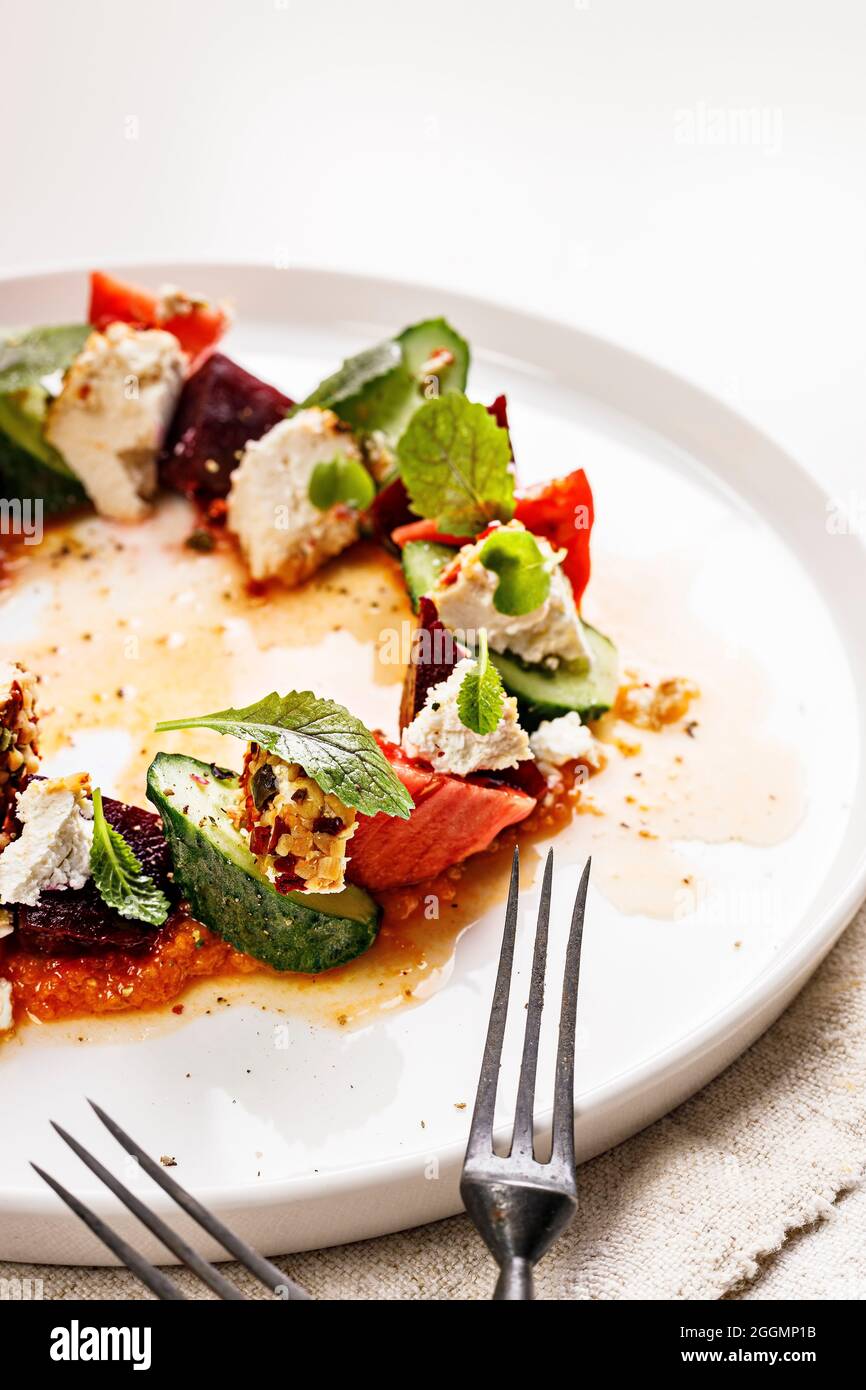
(562, 1151)
(522, 1139)
(481, 1130)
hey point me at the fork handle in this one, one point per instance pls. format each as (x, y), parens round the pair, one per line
(515, 1281)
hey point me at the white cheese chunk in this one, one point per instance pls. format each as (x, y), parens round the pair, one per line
(564, 740)
(437, 735)
(279, 529)
(549, 634)
(53, 849)
(6, 1019)
(111, 417)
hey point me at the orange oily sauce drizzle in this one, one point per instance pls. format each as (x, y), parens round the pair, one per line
(135, 627)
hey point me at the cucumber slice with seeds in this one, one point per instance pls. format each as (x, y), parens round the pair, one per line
(543, 693)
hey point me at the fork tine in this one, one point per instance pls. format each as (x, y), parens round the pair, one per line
(563, 1100)
(269, 1275)
(522, 1143)
(153, 1278)
(173, 1242)
(481, 1129)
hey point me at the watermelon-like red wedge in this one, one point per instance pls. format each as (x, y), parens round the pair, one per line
(113, 301)
(452, 819)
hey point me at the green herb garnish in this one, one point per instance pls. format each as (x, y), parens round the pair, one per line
(200, 539)
(455, 462)
(524, 574)
(330, 744)
(32, 353)
(355, 377)
(380, 388)
(481, 697)
(118, 875)
(341, 480)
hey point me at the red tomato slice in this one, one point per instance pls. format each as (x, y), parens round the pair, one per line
(113, 300)
(562, 512)
(426, 530)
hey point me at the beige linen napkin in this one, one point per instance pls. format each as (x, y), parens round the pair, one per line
(690, 1208)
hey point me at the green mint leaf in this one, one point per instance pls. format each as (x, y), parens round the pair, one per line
(524, 574)
(355, 377)
(481, 696)
(331, 745)
(32, 353)
(118, 875)
(341, 480)
(455, 462)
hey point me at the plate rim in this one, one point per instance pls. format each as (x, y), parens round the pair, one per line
(761, 1000)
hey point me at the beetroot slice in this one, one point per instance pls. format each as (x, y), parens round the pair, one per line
(221, 408)
(390, 509)
(76, 922)
(435, 653)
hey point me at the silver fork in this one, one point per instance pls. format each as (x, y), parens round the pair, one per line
(159, 1283)
(519, 1205)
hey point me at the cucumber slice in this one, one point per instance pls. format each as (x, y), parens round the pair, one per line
(544, 694)
(22, 418)
(418, 344)
(306, 932)
(382, 387)
(24, 477)
(422, 562)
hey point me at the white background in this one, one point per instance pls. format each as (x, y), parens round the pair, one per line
(587, 158)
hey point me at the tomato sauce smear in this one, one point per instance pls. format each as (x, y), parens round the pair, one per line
(56, 987)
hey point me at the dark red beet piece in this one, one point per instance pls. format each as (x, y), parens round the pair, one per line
(499, 411)
(221, 407)
(435, 653)
(390, 509)
(76, 922)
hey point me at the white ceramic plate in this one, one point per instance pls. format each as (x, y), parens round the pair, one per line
(337, 1135)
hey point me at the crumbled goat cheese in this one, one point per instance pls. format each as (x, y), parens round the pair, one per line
(564, 740)
(551, 633)
(53, 850)
(6, 1020)
(298, 833)
(437, 735)
(111, 417)
(173, 302)
(279, 529)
